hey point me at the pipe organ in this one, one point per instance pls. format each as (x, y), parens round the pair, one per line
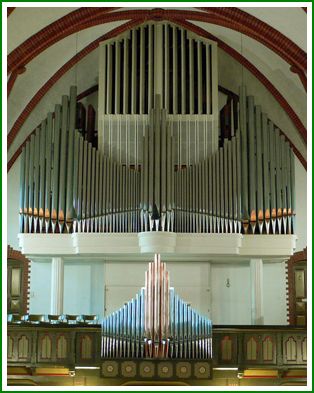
(157, 59)
(158, 165)
(246, 186)
(156, 324)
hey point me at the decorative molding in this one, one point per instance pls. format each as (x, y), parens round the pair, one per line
(297, 258)
(10, 10)
(182, 246)
(11, 82)
(18, 256)
(229, 17)
(52, 33)
(301, 75)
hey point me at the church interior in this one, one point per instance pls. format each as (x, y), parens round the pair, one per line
(156, 196)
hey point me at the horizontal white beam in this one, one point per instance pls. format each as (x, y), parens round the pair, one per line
(175, 246)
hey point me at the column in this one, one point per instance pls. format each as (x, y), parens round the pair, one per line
(57, 285)
(257, 307)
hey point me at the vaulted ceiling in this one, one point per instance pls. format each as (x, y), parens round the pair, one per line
(50, 49)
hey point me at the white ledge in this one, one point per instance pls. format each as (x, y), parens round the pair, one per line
(178, 245)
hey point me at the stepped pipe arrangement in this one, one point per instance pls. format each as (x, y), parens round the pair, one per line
(66, 185)
(245, 186)
(157, 196)
(156, 324)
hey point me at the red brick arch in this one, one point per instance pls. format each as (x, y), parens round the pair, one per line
(45, 88)
(230, 17)
(65, 68)
(10, 10)
(85, 17)
(262, 32)
(250, 67)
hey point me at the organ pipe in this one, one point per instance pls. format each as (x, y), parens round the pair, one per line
(246, 186)
(157, 323)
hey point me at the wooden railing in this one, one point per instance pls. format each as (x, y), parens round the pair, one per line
(74, 345)
(262, 346)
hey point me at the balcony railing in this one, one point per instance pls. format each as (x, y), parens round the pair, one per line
(76, 342)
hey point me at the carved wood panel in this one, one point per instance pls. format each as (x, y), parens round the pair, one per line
(19, 346)
(259, 348)
(297, 288)
(294, 348)
(17, 282)
(227, 349)
(87, 348)
(56, 347)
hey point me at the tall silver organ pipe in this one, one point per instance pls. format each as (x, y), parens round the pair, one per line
(159, 59)
(169, 180)
(158, 172)
(157, 323)
(160, 164)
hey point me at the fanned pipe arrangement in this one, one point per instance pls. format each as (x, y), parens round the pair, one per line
(267, 171)
(245, 186)
(66, 185)
(207, 194)
(156, 324)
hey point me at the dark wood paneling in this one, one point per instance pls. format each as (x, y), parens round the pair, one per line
(17, 282)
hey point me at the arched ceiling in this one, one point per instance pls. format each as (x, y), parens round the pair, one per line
(51, 48)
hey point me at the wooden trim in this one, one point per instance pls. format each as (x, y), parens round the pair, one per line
(297, 258)
(10, 10)
(18, 256)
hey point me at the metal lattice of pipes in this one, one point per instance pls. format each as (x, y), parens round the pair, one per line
(150, 60)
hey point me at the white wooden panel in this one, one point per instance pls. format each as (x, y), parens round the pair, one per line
(231, 305)
(198, 297)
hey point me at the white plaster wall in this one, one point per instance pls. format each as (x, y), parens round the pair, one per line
(40, 288)
(301, 205)
(274, 293)
(230, 305)
(202, 284)
(190, 280)
(231, 75)
(84, 287)
(13, 201)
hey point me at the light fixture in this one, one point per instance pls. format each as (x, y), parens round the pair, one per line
(226, 368)
(86, 368)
